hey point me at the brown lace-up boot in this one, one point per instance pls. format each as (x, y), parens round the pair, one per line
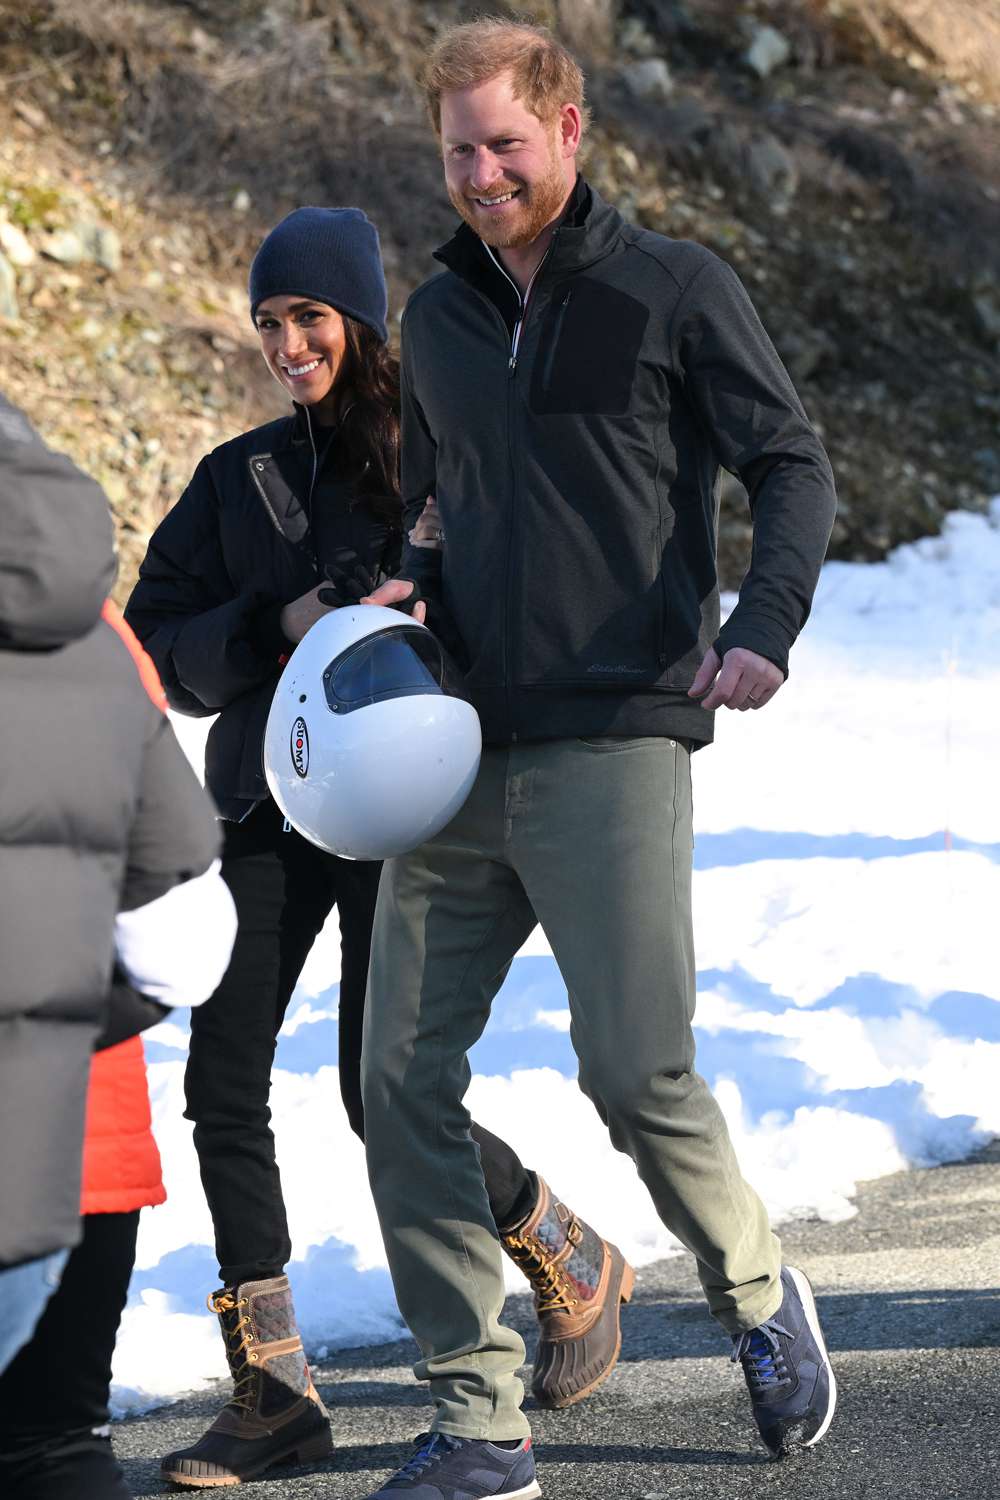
(580, 1282)
(274, 1415)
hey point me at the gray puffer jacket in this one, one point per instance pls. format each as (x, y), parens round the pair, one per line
(99, 812)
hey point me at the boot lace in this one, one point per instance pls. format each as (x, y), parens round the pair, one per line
(430, 1447)
(243, 1374)
(762, 1357)
(553, 1289)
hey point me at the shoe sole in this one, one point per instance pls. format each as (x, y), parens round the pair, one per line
(626, 1286)
(531, 1493)
(306, 1451)
(805, 1292)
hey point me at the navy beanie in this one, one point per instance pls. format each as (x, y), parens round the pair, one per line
(328, 254)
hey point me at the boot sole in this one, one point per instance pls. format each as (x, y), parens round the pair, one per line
(626, 1286)
(305, 1451)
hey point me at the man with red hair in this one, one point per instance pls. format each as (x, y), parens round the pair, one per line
(571, 385)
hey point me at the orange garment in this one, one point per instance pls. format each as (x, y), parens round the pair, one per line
(121, 1163)
(112, 615)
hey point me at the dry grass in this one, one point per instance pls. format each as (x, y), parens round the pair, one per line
(867, 271)
(957, 39)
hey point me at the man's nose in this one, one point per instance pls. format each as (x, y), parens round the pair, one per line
(485, 170)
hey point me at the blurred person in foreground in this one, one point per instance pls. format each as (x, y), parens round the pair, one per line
(277, 527)
(571, 384)
(112, 911)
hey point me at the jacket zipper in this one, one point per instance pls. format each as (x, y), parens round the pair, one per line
(312, 444)
(522, 300)
(312, 489)
(515, 343)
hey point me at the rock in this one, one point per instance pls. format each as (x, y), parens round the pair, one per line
(31, 114)
(634, 37)
(767, 51)
(8, 290)
(627, 160)
(115, 487)
(588, 26)
(200, 41)
(85, 241)
(14, 244)
(986, 306)
(64, 246)
(101, 245)
(648, 79)
(771, 169)
(874, 156)
(987, 461)
(758, 163)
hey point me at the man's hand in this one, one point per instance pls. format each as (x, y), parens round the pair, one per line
(395, 592)
(428, 532)
(301, 615)
(746, 680)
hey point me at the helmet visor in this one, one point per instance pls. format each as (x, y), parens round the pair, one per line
(396, 663)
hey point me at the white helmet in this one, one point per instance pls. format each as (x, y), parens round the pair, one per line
(369, 748)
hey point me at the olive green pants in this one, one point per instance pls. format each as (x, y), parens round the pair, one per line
(592, 839)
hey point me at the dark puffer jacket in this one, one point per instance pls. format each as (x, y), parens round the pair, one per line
(262, 519)
(100, 812)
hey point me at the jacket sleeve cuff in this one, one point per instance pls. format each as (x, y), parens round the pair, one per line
(266, 635)
(754, 632)
(423, 566)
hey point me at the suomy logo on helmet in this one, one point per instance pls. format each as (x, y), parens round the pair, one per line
(300, 746)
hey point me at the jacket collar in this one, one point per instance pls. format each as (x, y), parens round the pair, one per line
(589, 230)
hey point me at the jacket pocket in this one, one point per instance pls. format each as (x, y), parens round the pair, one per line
(588, 350)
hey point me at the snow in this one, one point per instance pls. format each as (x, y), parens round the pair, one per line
(847, 881)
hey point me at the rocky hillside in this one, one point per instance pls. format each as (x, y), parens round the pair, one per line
(842, 154)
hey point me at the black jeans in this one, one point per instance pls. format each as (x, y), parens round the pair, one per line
(284, 889)
(54, 1393)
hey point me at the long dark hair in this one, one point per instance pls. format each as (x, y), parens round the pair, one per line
(368, 441)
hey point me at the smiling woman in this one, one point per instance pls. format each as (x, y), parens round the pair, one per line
(276, 528)
(262, 544)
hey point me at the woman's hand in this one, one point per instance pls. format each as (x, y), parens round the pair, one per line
(396, 592)
(299, 616)
(428, 531)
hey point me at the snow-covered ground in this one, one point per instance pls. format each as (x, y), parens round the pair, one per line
(847, 896)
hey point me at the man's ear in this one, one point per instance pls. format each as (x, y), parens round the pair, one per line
(570, 129)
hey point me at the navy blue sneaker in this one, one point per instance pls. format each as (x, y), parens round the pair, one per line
(788, 1370)
(452, 1468)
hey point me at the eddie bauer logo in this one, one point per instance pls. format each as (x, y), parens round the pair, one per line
(300, 747)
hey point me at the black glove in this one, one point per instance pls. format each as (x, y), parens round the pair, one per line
(407, 606)
(349, 580)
